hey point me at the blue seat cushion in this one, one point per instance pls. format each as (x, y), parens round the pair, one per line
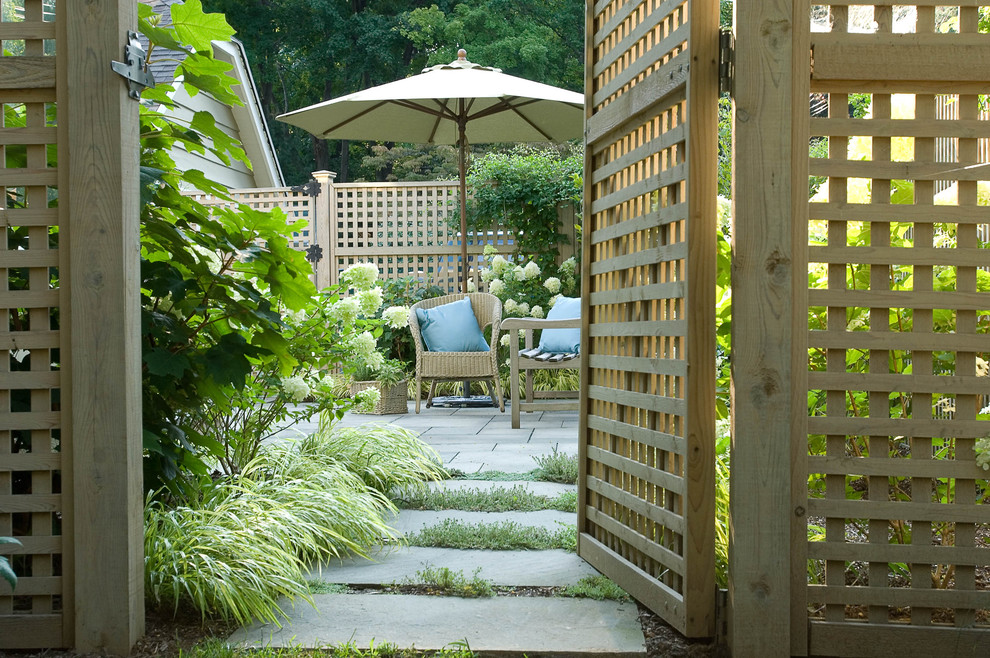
(562, 340)
(451, 328)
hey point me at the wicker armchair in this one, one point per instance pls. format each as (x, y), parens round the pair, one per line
(460, 366)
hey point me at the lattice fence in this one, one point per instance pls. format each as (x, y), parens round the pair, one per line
(400, 227)
(30, 418)
(899, 312)
(647, 510)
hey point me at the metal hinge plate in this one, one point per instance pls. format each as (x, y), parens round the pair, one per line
(726, 61)
(134, 67)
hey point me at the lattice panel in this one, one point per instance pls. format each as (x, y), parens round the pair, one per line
(898, 347)
(30, 420)
(403, 229)
(645, 519)
(296, 206)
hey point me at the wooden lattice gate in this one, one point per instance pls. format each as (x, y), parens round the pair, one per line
(70, 426)
(646, 512)
(861, 382)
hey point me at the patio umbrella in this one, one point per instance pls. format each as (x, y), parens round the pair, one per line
(457, 103)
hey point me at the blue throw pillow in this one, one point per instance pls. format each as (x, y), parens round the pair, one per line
(451, 328)
(562, 340)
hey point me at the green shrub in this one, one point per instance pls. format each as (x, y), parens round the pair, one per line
(443, 581)
(597, 587)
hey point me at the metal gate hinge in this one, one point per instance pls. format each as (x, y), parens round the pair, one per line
(134, 67)
(726, 61)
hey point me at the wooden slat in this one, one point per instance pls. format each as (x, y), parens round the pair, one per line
(28, 177)
(28, 298)
(40, 545)
(898, 170)
(904, 553)
(659, 217)
(649, 474)
(645, 151)
(897, 427)
(26, 379)
(637, 541)
(947, 58)
(865, 340)
(29, 216)
(658, 403)
(648, 437)
(645, 187)
(31, 135)
(850, 212)
(642, 586)
(31, 420)
(956, 128)
(672, 367)
(29, 340)
(25, 631)
(27, 73)
(900, 256)
(658, 88)
(900, 596)
(668, 290)
(29, 258)
(858, 640)
(31, 503)
(926, 468)
(914, 511)
(637, 505)
(853, 381)
(968, 301)
(644, 328)
(27, 30)
(640, 64)
(33, 586)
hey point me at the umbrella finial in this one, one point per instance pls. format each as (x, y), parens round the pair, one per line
(461, 55)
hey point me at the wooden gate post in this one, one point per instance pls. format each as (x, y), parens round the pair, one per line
(100, 318)
(769, 327)
(324, 228)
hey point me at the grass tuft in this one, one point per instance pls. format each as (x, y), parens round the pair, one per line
(501, 536)
(514, 499)
(317, 586)
(596, 587)
(557, 467)
(444, 582)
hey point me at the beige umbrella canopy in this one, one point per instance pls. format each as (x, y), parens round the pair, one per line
(457, 103)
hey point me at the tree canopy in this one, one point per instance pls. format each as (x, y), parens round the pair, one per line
(306, 51)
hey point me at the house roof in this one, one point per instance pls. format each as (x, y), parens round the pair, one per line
(254, 134)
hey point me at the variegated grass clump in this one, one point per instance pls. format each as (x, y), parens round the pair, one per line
(390, 458)
(246, 539)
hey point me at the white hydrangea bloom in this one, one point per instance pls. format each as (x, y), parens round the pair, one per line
(553, 300)
(370, 300)
(368, 399)
(345, 310)
(523, 308)
(496, 287)
(983, 453)
(536, 311)
(982, 368)
(500, 265)
(295, 318)
(296, 388)
(363, 345)
(531, 271)
(374, 360)
(396, 317)
(569, 265)
(504, 340)
(552, 284)
(471, 287)
(328, 383)
(510, 306)
(518, 273)
(360, 276)
(487, 275)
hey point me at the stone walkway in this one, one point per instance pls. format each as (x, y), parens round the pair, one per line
(469, 440)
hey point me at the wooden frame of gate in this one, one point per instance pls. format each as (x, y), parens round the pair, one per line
(70, 385)
(646, 509)
(879, 456)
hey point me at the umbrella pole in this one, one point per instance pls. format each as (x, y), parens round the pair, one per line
(462, 170)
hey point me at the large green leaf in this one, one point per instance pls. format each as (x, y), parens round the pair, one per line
(197, 28)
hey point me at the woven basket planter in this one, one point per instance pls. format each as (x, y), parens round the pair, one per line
(393, 398)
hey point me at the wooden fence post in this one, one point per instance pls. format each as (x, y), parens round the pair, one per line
(100, 316)
(324, 229)
(769, 327)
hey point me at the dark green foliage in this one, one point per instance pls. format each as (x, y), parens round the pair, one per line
(398, 343)
(306, 51)
(522, 190)
(213, 280)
